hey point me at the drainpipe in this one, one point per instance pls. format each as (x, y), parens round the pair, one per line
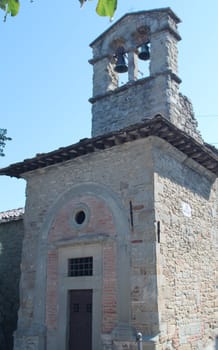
(139, 340)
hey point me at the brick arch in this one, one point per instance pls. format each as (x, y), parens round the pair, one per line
(99, 218)
(117, 224)
(100, 191)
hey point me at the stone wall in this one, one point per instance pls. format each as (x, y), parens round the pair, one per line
(150, 229)
(186, 207)
(122, 178)
(130, 104)
(11, 235)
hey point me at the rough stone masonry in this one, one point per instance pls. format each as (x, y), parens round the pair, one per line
(129, 215)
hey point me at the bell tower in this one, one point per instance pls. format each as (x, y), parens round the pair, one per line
(150, 36)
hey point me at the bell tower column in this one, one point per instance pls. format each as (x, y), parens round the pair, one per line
(103, 68)
(133, 66)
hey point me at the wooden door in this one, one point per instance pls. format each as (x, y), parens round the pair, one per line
(80, 319)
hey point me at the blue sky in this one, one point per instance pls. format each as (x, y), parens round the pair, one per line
(46, 80)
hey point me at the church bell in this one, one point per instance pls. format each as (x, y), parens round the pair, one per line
(144, 52)
(121, 66)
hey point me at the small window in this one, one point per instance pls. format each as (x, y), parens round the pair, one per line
(80, 267)
(80, 217)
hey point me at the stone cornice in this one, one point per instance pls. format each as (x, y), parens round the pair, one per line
(134, 83)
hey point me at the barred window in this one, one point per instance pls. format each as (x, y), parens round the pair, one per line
(80, 267)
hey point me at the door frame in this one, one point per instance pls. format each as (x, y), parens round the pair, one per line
(66, 283)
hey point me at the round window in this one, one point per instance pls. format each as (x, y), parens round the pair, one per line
(80, 216)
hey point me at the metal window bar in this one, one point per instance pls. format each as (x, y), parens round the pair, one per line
(80, 267)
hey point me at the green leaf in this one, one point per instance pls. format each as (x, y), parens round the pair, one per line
(106, 7)
(3, 4)
(10, 7)
(13, 7)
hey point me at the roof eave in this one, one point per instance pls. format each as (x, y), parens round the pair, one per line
(157, 126)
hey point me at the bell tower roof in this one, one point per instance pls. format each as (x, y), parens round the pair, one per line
(129, 15)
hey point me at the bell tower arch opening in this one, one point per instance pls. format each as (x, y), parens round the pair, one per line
(129, 63)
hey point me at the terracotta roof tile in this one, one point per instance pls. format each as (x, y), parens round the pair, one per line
(157, 126)
(11, 215)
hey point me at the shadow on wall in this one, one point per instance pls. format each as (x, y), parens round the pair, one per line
(182, 171)
(11, 236)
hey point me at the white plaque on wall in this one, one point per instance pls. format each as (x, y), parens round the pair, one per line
(186, 209)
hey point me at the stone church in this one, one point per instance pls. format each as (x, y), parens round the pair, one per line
(119, 229)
